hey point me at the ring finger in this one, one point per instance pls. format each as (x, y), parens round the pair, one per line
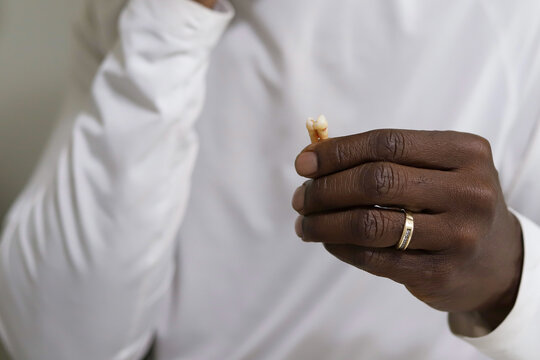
(372, 227)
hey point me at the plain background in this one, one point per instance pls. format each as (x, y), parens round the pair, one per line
(34, 57)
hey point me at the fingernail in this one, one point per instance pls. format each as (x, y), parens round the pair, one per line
(306, 163)
(298, 226)
(298, 199)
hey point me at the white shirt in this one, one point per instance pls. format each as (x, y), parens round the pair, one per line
(117, 240)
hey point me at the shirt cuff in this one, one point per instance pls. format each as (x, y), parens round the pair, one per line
(518, 336)
(185, 19)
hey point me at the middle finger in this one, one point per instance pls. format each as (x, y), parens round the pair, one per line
(377, 183)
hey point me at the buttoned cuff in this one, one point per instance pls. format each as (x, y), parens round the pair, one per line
(518, 336)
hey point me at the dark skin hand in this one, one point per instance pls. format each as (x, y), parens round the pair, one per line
(466, 252)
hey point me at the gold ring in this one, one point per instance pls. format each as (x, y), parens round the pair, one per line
(407, 233)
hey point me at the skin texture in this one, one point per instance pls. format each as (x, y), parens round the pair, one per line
(208, 3)
(466, 252)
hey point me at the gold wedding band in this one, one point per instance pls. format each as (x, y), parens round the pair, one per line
(407, 233)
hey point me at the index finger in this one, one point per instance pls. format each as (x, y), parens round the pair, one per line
(439, 150)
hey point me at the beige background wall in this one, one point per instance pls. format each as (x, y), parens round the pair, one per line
(34, 51)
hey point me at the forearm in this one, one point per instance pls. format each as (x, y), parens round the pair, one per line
(86, 253)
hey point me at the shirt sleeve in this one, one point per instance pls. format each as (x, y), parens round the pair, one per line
(518, 336)
(86, 250)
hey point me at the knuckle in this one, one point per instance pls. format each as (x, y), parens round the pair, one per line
(437, 271)
(485, 198)
(479, 147)
(488, 197)
(466, 238)
(371, 225)
(381, 179)
(389, 144)
(480, 196)
(368, 258)
(430, 274)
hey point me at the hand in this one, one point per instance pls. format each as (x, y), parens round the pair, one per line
(466, 251)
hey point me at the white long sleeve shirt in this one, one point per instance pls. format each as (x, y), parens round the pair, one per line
(122, 238)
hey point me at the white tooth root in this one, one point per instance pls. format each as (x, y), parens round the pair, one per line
(310, 125)
(321, 126)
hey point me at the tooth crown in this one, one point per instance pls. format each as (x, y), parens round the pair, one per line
(318, 129)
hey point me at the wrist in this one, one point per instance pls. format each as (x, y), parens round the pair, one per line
(484, 320)
(495, 314)
(481, 322)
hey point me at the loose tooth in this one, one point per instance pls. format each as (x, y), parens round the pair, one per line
(310, 125)
(321, 126)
